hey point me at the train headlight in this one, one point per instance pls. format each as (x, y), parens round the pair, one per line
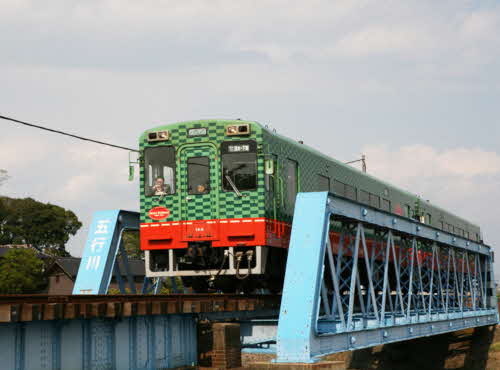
(231, 130)
(234, 130)
(159, 136)
(163, 135)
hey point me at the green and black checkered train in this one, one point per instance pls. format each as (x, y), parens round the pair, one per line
(213, 190)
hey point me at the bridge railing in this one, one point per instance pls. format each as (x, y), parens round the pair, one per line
(358, 277)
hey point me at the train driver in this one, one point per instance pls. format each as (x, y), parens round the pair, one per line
(160, 188)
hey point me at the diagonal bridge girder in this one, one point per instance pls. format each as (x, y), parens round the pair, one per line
(357, 277)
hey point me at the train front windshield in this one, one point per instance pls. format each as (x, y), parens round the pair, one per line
(239, 165)
(159, 170)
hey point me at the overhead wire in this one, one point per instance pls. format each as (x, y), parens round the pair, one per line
(67, 134)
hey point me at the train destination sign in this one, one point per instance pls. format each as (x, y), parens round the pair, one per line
(159, 213)
(234, 147)
(238, 148)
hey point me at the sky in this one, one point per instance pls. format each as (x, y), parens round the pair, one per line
(413, 85)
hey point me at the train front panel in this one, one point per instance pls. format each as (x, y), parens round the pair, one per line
(203, 200)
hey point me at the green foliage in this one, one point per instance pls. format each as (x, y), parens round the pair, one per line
(167, 286)
(116, 291)
(47, 227)
(21, 271)
(132, 244)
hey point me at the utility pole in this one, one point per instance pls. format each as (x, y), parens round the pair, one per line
(362, 160)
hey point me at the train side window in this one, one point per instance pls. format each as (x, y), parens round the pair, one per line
(364, 197)
(339, 188)
(198, 175)
(350, 192)
(428, 218)
(374, 200)
(407, 210)
(386, 205)
(291, 169)
(322, 183)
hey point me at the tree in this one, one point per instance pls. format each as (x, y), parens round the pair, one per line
(132, 245)
(46, 227)
(21, 271)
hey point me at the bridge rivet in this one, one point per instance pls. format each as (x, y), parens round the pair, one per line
(411, 330)
(451, 324)
(394, 221)
(468, 243)
(353, 340)
(386, 334)
(454, 240)
(365, 212)
(418, 228)
(438, 234)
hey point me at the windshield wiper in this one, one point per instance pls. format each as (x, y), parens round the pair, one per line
(233, 186)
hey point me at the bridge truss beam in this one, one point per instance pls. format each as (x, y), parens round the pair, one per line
(357, 277)
(103, 249)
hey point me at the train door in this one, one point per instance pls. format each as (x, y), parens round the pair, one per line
(199, 183)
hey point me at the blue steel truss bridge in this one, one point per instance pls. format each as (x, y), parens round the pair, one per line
(358, 277)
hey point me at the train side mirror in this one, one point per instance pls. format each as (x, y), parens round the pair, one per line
(269, 167)
(131, 162)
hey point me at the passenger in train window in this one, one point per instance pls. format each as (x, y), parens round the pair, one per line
(160, 188)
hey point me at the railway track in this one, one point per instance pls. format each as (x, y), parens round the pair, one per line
(18, 308)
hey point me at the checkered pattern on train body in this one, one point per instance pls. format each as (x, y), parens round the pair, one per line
(228, 204)
(262, 203)
(201, 206)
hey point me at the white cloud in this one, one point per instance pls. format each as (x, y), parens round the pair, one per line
(462, 180)
(380, 40)
(411, 162)
(82, 177)
(338, 74)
